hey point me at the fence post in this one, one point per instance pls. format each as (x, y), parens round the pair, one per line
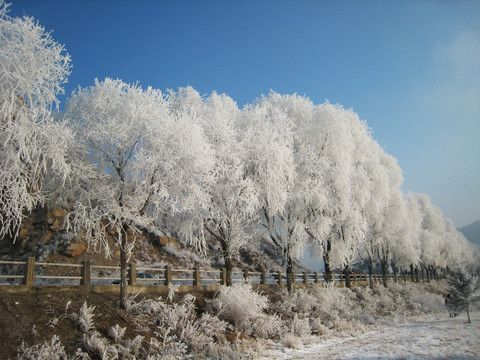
(263, 276)
(132, 274)
(168, 275)
(29, 272)
(279, 277)
(245, 274)
(316, 277)
(305, 277)
(86, 273)
(196, 276)
(223, 277)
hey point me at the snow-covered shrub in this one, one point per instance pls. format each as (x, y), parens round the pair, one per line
(385, 301)
(85, 318)
(318, 328)
(46, 351)
(208, 328)
(299, 303)
(240, 305)
(178, 328)
(334, 303)
(292, 341)
(421, 298)
(240, 349)
(305, 302)
(116, 333)
(300, 327)
(97, 345)
(134, 346)
(268, 327)
(166, 346)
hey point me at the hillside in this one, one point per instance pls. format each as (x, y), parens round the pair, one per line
(472, 232)
(42, 236)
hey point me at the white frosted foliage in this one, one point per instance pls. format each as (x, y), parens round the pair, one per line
(33, 68)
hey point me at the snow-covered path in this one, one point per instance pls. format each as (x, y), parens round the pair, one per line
(423, 337)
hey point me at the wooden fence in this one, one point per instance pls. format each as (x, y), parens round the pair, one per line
(31, 273)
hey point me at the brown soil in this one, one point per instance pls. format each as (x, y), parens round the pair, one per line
(35, 316)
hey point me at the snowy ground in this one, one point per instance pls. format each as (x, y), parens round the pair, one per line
(423, 337)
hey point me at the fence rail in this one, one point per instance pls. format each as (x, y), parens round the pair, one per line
(32, 273)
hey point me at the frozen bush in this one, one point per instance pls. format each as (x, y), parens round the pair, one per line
(334, 303)
(292, 341)
(178, 327)
(300, 327)
(317, 327)
(240, 305)
(268, 327)
(96, 345)
(85, 318)
(349, 326)
(116, 333)
(238, 350)
(208, 329)
(168, 347)
(365, 318)
(47, 351)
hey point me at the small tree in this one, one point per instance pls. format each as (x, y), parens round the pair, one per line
(462, 286)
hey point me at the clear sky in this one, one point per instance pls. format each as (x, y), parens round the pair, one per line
(410, 68)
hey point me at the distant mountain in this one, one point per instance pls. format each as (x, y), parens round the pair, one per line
(472, 232)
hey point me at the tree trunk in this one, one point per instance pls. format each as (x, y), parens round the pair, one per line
(290, 279)
(468, 316)
(370, 275)
(326, 260)
(348, 283)
(384, 273)
(123, 269)
(411, 273)
(228, 270)
(416, 275)
(395, 273)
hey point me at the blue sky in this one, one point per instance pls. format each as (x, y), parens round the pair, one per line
(411, 69)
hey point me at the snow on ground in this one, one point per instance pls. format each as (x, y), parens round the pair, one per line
(434, 336)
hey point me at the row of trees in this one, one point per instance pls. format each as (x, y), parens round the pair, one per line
(282, 169)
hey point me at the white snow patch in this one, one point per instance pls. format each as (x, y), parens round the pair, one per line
(433, 336)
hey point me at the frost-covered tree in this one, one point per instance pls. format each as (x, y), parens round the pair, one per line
(406, 250)
(392, 232)
(232, 202)
(33, 68)
(461, 291)
(272, 167)
(345, 141)
(432, 235)
(324, 199)
(138, 160)
(384, 209)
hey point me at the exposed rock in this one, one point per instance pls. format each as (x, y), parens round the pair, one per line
(57, 225)
(163, 240)
(58, 212)
(75, 249)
